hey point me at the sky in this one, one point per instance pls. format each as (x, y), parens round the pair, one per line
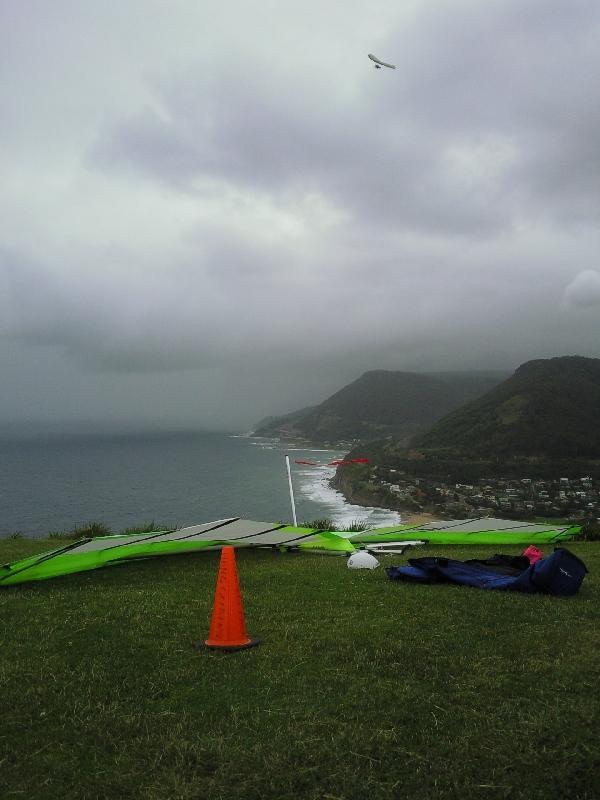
(214, 212)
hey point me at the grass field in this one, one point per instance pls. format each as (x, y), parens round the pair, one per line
(362, 688)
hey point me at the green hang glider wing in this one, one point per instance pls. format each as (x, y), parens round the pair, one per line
(482, 530)
(87, 554)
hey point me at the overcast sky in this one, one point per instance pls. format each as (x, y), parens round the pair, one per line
(211, 212)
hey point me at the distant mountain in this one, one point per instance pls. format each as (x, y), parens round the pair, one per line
(382, 403)
(273, 426)
(549, 408)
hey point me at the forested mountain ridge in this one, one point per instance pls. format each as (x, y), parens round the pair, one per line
(548, 408)
(382, 403)
(542, 423)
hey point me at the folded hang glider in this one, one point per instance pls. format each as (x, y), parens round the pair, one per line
(479, 530)
(101, 551)
(379, 64)
(93, 553)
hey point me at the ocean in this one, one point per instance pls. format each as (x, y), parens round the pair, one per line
(174, 479)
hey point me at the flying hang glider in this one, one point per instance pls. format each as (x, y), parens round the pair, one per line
(379, 64)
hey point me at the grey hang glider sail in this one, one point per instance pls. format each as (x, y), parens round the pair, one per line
(379, 64)
(101, 551)
(479, 530)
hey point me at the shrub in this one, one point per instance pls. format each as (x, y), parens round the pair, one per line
(148, 527)
(355, 526)
(91, 530)
(62, 535)
(323, 524)
(326, 524)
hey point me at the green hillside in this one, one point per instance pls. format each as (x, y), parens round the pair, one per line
(548, 408)
(383, 403)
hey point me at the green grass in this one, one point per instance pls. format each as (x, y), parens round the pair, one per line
(362, 688)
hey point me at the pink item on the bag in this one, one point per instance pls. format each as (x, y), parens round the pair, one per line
(533, 554)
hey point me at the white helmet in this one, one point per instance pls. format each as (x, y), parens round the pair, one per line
(362, 560)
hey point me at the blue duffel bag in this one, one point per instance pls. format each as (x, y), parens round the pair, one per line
(560, 573)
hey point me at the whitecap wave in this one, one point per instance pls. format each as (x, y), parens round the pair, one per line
(266, 444)
(313, 483)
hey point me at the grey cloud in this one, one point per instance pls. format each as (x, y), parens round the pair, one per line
(492, 117)
(276, 223)
(253, 137)
(102, 324)
(525, 72)
(584, 290)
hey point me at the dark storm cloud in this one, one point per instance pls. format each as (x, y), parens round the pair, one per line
(211, 203)
(368, 159)
(490, 118)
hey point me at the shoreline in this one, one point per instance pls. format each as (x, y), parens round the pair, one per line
(408, 517)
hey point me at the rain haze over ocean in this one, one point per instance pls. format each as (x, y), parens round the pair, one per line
(215, 212)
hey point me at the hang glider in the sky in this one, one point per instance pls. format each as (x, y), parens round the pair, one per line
(104, 551)
(379, 64)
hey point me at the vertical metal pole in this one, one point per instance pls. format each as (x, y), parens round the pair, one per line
(289, 472)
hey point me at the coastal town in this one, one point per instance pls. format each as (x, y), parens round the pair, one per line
(565, 498)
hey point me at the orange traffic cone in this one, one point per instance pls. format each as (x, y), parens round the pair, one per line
(227, 628)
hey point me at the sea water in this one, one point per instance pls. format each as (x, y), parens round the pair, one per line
(172, 479)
